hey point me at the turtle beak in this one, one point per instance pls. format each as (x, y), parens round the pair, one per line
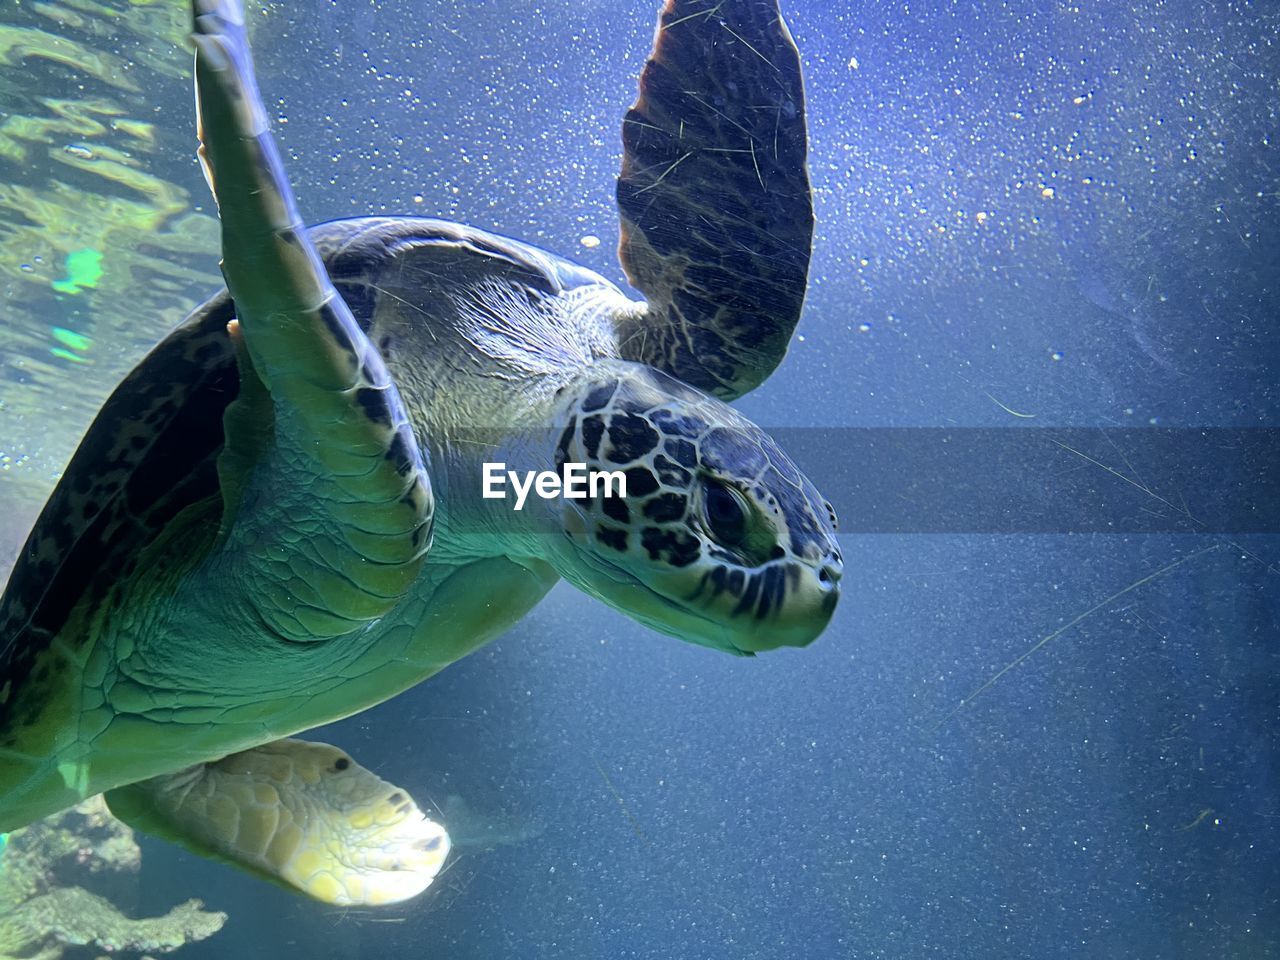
(783, 603)
(800, 616)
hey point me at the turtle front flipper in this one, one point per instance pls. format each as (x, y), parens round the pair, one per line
(328, 502)
(299, 813)
(717, 214)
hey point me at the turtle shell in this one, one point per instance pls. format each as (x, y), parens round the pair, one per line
(154, 447)
(151, 452)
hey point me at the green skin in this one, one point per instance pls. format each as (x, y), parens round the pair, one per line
(183, 622)
(334, 570)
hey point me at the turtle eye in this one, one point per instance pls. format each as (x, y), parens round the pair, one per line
(726, 514)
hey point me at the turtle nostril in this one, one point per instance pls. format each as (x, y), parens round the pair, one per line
(830, 573)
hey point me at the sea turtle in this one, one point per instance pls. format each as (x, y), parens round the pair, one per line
(277, 520)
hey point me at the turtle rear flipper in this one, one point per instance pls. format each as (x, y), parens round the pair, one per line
(717, 213)
(325, 436)
(299, 813)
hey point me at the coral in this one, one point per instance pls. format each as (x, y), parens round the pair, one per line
(45, 908)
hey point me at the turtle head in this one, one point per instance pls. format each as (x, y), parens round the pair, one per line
(718, 540)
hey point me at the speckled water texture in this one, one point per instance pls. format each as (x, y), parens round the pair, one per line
(1030, 217)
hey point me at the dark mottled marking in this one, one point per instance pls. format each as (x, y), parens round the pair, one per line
(592, 431)
(341, 764)
(672, 474)
(640, 482)
(682, 452)
(676, 547)
(666, 508)
(749, 595)
(161, 414)
(764, 603)
(598, 396)
(562, 446)
(612, 537)
(737, 580)
(771, 589)
(372, 370)
(794, 504)
(730, 451)
(175, 469)
(765, 593)
(716, 578)
(678, 424)
(747, 253)
(334, 325)
(362, 299)
(374, 404)
(724, 578)
(615, 508)
(630, 437)
(62, 562)
(399, 452)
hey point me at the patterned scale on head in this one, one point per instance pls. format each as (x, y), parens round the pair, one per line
(720, 539)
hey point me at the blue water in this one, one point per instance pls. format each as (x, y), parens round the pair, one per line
(1068, 214)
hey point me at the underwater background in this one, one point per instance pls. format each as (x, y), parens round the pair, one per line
(1047, 237)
